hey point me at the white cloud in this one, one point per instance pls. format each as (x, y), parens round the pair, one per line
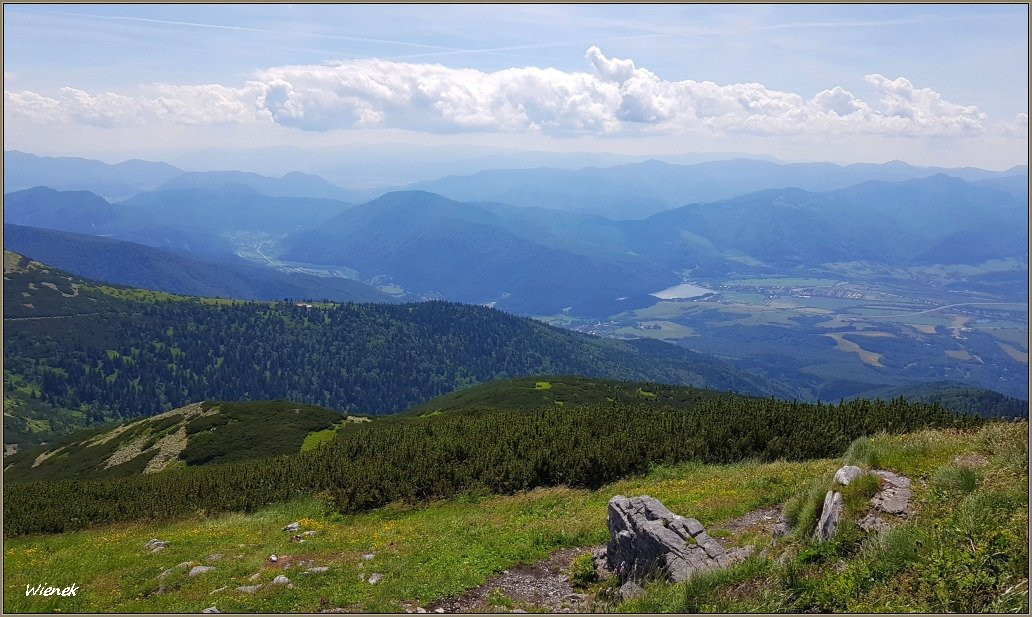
(615, 98)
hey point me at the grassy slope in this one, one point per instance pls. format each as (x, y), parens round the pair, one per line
(210, 432)
(428, 552)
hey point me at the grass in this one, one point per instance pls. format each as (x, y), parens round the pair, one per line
(317, 438)
(966, 550)
(425, 553)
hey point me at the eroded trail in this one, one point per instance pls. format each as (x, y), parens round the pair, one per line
(541, 586)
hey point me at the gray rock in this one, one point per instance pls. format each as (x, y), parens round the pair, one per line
(871, 522)
(210, 609)
(629, 590)
(317, 569)
(255, 576)
(310, 533)
(420, 610)
(249, 588)
(156, 545)
(196, 570)
(215, 557)
(645, 537)
(830, 515)
(438, 610)
(280, 580)
(375, 578)
(368, 556)
(292, 527)
(185, 565)
(845, 475)
(273, 558)
(894, 497)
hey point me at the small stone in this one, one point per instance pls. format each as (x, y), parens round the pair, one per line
(375, 578)
(196, 570)
(292, 527)
(273, 558)
(368, 556)
(438, 610)
(156, 544)
(629, 590)
(215, 557)
(420, 610)
(185, 564)
(210, 609)
(249, 588)
(255, 576)
(846, 474)
(310, 533)
(280, 580)
(317, 569)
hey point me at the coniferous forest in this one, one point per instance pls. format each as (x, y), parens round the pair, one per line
(410, 458)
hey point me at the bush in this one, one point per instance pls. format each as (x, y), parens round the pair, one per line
(582, 571)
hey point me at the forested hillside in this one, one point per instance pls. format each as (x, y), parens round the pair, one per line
(122, 353)
(415, 458)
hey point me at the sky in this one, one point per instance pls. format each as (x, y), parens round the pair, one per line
(929, 84)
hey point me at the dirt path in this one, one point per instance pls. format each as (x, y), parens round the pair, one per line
(542, 586)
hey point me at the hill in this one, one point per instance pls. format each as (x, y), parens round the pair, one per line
(121, 352)
(138, 265)
(957, 397)
(973, 491)
(543, 392)
(113, 181)
(470, 253)
(201, 433)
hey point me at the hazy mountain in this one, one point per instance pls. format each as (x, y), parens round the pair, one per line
(638, 190)
(137, 265)
(194, 220)
(112, 181)
(938, 219)
(465, 252)
(293, 184)
(957, 397)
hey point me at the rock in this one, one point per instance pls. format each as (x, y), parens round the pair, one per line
(375, 578)
(438, 610)
(871, 522)
(249, 588)
(645, 537)
(273, 558)
(894, 497)
(629, 590)
(368, 556)
(845, 475)
(185, 564)
(215, 557)
(420, 610)
(156, 545)
(280, 580)
(293, 526)
(196, 570)
(310, 533)
(255, 576)
(316, 570)
(830, 515)
(298, 538)
(210, 609)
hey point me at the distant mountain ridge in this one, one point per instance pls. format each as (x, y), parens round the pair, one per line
(138, 265)
(637, 190)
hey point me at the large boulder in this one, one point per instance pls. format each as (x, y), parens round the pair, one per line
(647, 538)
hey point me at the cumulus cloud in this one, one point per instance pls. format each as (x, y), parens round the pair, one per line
(613, 97)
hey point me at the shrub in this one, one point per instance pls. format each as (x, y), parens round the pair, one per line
(582, 571)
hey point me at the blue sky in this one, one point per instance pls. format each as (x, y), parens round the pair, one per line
(934, 84)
